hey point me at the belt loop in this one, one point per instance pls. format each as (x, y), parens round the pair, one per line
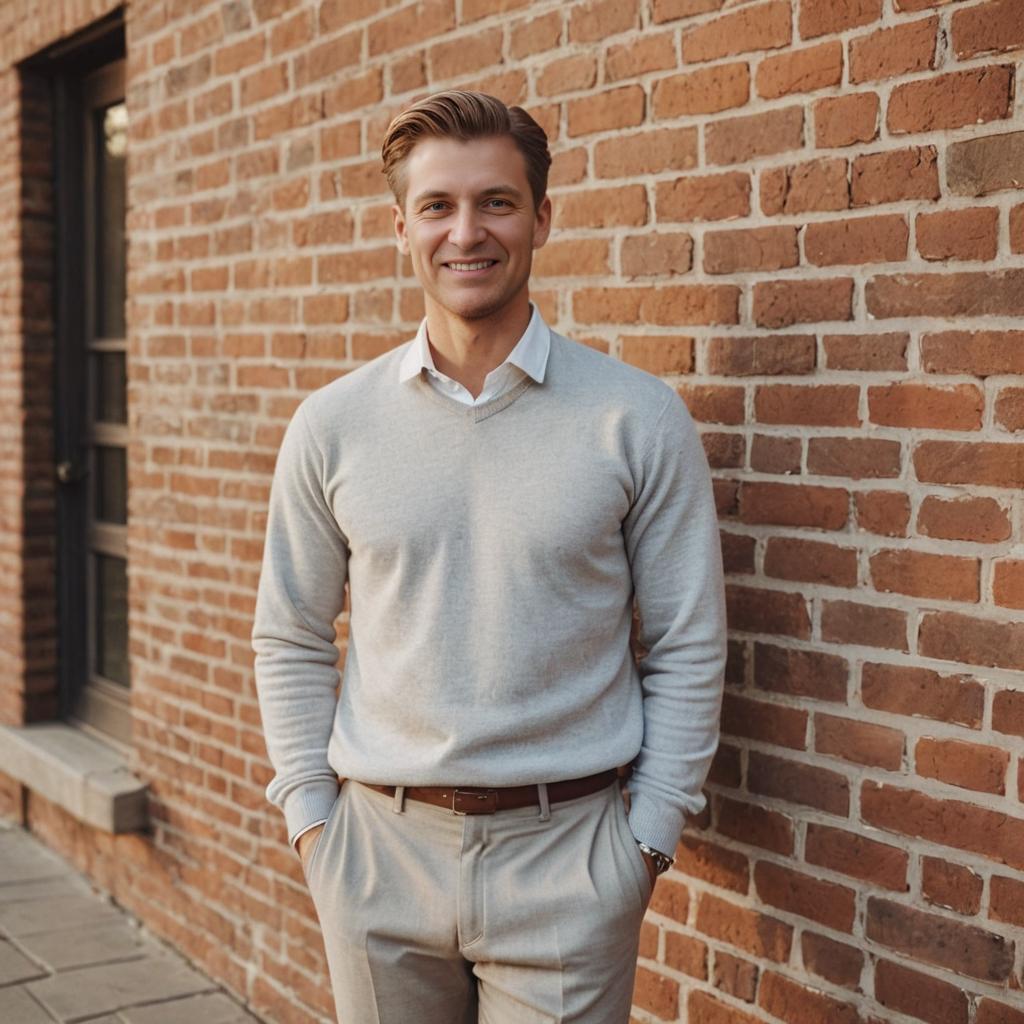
(399, 805)
(542, 795)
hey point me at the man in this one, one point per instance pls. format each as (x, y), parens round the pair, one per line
(496, 496)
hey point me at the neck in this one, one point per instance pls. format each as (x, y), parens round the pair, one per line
(467, 350)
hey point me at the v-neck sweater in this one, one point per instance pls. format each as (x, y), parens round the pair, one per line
(493, 553)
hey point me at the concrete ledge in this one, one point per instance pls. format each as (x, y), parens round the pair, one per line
(75, 770)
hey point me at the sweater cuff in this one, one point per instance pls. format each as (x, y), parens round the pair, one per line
(656, 824)
(308, 804)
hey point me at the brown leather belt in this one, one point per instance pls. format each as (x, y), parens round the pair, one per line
(481, 800)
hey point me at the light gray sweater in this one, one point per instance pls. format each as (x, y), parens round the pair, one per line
(493, 553)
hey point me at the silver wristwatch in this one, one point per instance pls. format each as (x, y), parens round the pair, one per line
(662, 861)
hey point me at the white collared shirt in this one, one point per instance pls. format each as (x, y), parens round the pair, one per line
(529, 356)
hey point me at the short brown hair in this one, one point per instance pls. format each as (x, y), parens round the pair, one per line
(464, 115)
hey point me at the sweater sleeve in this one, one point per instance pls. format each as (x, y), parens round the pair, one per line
(673, 546)
(300, 594)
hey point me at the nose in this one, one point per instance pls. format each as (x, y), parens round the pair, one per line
(466, 230)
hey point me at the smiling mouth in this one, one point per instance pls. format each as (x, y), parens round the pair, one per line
(464, 268)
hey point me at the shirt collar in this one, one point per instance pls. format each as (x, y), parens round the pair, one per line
(530, 353)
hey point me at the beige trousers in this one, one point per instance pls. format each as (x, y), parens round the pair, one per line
(520, 917)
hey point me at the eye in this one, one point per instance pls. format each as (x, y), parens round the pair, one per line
(498, 203)
(435, 207)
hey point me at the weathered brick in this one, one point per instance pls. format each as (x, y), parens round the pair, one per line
(828, 903)
(958, 763)
(757, 27)
(889, 52)
(810, 561)
(834, 961)
(856, 457)
(867, 743)
(739, 139)
(925, 693)
(783, 303)
(866, 351)
(1009, 409)
(989, 463)
(925, 574)
(800, 673)
(735, 976)
(770, 248)
(797, 783)
(756, 610)
(806, 70)
(857, 856)
(911, 992)
(789, 1000)
(846, 120)
(659, 354)
(753, 932)
(823, 17)
(958, 234)
(955, 407)
(969, 640)
(848, 622)
(705, 91)
(771, 454)
(1008, 583)
(945, 884)
(794, 504)
(647, 152)
(856, 240)
(707, 197)
(736, 356)
(596, 20)
(951, 101)
(894, 176)
(988, 28)
(814, 185)
(981, 353)
(976, 167)
(622, 107)
(982, 520)
(658, 255)
(822, 405)
(981, 293)
(639, 55)
(670, 305)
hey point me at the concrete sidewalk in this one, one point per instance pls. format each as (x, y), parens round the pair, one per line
(67, 953)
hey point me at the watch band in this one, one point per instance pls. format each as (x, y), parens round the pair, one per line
(662, 861)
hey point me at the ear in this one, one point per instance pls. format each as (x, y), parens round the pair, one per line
(400, 233)
(542, 225)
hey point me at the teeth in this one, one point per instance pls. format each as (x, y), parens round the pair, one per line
(471, 266)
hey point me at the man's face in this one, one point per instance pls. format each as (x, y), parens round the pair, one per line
(469, 224)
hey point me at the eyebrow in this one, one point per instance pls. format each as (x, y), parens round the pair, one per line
(494, 190)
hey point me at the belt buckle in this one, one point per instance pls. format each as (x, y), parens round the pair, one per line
(474, 801)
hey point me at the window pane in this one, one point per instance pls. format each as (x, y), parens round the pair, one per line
(111, 603)
(111, 484)
(111, 139)
(111, 395)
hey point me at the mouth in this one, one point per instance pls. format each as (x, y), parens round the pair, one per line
(469, 266)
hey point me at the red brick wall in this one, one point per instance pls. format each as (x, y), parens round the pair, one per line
(807, 216)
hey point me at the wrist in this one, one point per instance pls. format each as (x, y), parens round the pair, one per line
(662, 861)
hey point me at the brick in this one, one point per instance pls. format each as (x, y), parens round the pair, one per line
(894, 176)
(673, 10)
(769, 723)
(1009, 409)
(656, 993)
(704, 91)
(671, 899)
(535, 34)
(846, 120)
(834, 405)
(847, 622)
(923, 693)
(768, 248)
(739, 139)
(703, 1008)
(713, 403)
(659, 354)
(936, 939)
(712, 863)
(737, 356)
(455, 57)
(890, 52)
(949, 885)
(743, 928)
(989, 463)
(686, 954)
(856, 240)
(728, 451)
(783, 303)
(656, 254)
(988, 28)
(411, 25)
(790, 1001)
(1017, 229)
(866, 351)
(793, 504)
(1008, 712)
(800, 673)
(958, 763)
(671, 305)
(1008, 583)
(810, 561)
(968, 640)
(814, 185)
(982, 520)
(754, 610)
(704, 198)
(770, 454)
(920, 995)
(886, 513)
(981, 353)
(958, 234)
(856, 457)
(567, 74)
(828, 903)
(602, 207)
(806, 70)
(923, 574)
(1007, 900)
(956, 407)
(991, 1012)
(966, 293)
(756, 826)
(951, 101)
(823, 17)
(596, 20)
(757, 27)
(568, 167)
(622, 107)
(991, 163)
(834, 961)
(572, 257)
(865, 743)
(735, 976)
(798, 783)
(647, 152)
(850, 853)
(640, 55)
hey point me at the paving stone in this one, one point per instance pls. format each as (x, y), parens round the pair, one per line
(59, 885)
(89, 944)
(18, 1007)
(208, 1009)
(90, 991)
(20, 919)
(25, 859)
(15, 966)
